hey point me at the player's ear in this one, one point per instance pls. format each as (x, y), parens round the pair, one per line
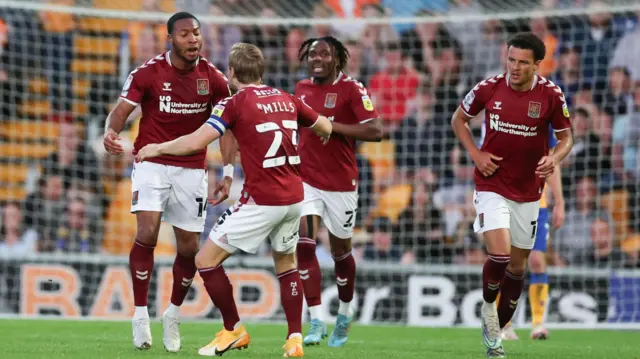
(170, 39)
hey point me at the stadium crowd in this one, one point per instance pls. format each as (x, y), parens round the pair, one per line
(416, 186)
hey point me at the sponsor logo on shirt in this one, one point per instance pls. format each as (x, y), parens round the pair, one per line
(366, 101)
(169, 106)
(565, 110)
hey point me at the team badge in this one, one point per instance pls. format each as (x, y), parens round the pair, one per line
(366, 101)
(134, 198)
(330, 100)
(534, 109)
(203, 86)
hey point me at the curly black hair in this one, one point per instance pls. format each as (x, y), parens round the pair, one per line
(341, 51)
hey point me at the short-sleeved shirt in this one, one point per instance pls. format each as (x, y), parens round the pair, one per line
(517, 127)
(333, 167)
(174, 103)
(264, 121)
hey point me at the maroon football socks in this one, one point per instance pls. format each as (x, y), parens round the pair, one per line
(141, 266)
(345, 270)
(510, 291)
(184, 269)
(291, 296)
(492, 274)
(309, 269)
(221, 292)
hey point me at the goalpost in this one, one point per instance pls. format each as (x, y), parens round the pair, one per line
(65, 61)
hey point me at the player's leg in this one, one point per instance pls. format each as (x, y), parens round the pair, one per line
(340, 220)
(284, 240)
(150, 194)
(524, 218)
(186, 211)
(493, 221)
(539, 280)
(312, 209)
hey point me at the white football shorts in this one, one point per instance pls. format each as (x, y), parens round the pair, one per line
(337, 209)
(493, 211)
(179, 193)
(246, 225)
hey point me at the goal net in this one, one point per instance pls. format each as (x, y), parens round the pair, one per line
(66, 230)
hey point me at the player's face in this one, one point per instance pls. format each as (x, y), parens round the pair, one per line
(521, 65)
(321, 61)
(186, 39)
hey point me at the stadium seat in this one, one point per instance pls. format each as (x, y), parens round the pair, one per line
(81, 87)
(381, 155)
(102, 25)
(38, 86)
(102, 67)
(392, 202)
(25, 150)
(80, 108)
(58, 21)
(35, 108)
(131, 5)
(617, 204)
(13, 173)
(631, 244)
(12, 193)
(29, 130)
(93, 45)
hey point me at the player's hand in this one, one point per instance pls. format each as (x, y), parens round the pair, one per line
(325, 139)
(558, 215)
(485, 162)
(546, 166)
(111, 143)
(222, 191)
(149, 151)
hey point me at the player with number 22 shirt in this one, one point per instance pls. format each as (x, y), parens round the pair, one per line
(330, 176)
(511, 167)
(265, 122)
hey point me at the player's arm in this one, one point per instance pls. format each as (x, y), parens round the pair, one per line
(181, 146)
(323, 127)
(309, 118)
(370, 131)
(114, 125)
(562, 128)
(484, 161)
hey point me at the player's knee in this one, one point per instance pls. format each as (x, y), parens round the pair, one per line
(147, 233)
(284, 261)
(517, 266)
(537, 262)
(187, 248)
(339, 246)
(203, 261)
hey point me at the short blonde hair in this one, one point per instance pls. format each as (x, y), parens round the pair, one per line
(247, 61)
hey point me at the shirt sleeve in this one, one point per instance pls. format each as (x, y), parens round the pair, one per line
(307, 117)
(222, 116)
(134, 88)
(560, 116)
(361, 103)
(476, 99)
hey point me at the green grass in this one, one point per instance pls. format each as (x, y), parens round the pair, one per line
(91, 339)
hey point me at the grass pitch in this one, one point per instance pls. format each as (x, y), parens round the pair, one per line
(93, 339)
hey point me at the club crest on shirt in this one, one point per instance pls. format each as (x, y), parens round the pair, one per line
(203, 86)
(134, 198)
(534, 109)
(330, 100)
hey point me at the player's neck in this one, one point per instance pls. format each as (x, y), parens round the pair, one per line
(179, 62)
(326, 80)
(523, 87)
(240, 86)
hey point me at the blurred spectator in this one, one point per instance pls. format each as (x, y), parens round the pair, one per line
(452, 83)
(365, 189)
(597, 39)
(626, 141)
(195, 6)
(375, 37)
(349, 9)
(540, 27)
(291, 70)
(573, 243)
(382, 246)
(322, 11)
(586, 156)
(392, 87)
(270, 39)
(422, 138)
(76, 234)
(417, 8)
(502, 67)
(16, 239)
(421, 44)
(487, 50)
(468, 33)
(627, 53)
(147, 39)
(617, 100)
(355, 66)
(451, 196)
(567, 75)
(420, 227)
(217, 39)
(43, 209)
(604, 253)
